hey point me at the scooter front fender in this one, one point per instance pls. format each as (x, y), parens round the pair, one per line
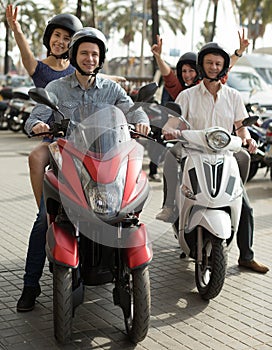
(217, 222)
(61, 246)
(140, 251)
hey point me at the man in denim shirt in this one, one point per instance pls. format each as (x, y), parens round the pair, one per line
(83, 88)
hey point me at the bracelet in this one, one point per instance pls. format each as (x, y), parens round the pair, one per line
(237, 54)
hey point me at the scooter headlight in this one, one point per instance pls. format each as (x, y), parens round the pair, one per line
(217, 139)
(104, 199)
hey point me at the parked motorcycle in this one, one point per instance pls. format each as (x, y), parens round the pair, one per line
(5, 96)
(209, 199)
(94, 193)
(19, 109)
(268, 149)
(3, 120)
(259, 132)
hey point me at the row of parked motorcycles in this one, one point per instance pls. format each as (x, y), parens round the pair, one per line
(15, 108)
(261, 132)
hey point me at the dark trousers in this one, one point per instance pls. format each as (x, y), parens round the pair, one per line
(36, 255)
(245, 230)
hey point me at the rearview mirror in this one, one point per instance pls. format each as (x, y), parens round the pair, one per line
(40, 95)
(174, 107)
(250, 120)
(146, 92)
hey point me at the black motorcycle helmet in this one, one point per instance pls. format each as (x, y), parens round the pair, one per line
(216, 49)
(92, 35)
(190, 59)
(64, 21)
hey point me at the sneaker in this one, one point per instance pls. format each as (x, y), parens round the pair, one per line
(167, 214)
(154, 177)
(28, 297)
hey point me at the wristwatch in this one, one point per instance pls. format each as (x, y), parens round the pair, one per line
(237, 54)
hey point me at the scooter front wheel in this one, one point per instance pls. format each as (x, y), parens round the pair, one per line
(210, 272)
(137, 323)
(62, 303)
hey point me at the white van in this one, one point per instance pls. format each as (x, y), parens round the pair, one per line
(261, 62)
(252, 87)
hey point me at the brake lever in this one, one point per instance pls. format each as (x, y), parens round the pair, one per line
(136, 134)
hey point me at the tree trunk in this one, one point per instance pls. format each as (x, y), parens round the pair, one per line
(94, 19)
(214, 19)
(79, 9)
(6, 61)
(155, 26)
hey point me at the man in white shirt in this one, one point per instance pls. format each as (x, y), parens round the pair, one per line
(209, 104)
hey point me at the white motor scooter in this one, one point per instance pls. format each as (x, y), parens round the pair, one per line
(209, 199)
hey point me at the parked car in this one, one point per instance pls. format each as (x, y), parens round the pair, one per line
(252, 87)
(261, 62)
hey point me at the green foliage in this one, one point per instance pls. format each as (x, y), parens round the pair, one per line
(256, 14)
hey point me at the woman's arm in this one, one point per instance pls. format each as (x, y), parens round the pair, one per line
(28, 59)
(156, 50)
(244, 42)
(116, 78)
(171, 82)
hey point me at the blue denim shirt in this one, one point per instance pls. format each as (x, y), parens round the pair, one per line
(70, 97)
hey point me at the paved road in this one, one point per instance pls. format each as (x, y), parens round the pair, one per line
(239, 318)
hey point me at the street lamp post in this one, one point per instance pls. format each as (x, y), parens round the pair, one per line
(142, 66)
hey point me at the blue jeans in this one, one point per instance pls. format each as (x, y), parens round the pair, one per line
(36, 255)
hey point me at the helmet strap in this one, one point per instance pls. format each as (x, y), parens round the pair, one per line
(91, 75)
(60, 57)
(213, 79)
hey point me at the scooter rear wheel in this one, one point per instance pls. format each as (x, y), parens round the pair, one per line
(137, 323)
(62, 303)
(211, 272)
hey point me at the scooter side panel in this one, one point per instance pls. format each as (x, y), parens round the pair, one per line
(140, 251)
(217, 222)
(61, 246)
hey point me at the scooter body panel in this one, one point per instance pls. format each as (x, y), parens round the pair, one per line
(215, 185)
(61, 246)
(140, 250)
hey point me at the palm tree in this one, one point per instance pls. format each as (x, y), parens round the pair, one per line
(255, 14)
(118, 17)
(209, 28)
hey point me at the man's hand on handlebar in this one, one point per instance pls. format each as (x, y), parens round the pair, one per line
(41, 128)
(170, 133)
(143, 129)
(251, 145)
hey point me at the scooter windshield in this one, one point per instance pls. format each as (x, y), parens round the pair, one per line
(100, 133)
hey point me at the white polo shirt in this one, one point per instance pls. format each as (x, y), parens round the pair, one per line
(201, 110)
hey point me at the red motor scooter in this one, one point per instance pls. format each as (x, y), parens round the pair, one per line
(94, 192)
